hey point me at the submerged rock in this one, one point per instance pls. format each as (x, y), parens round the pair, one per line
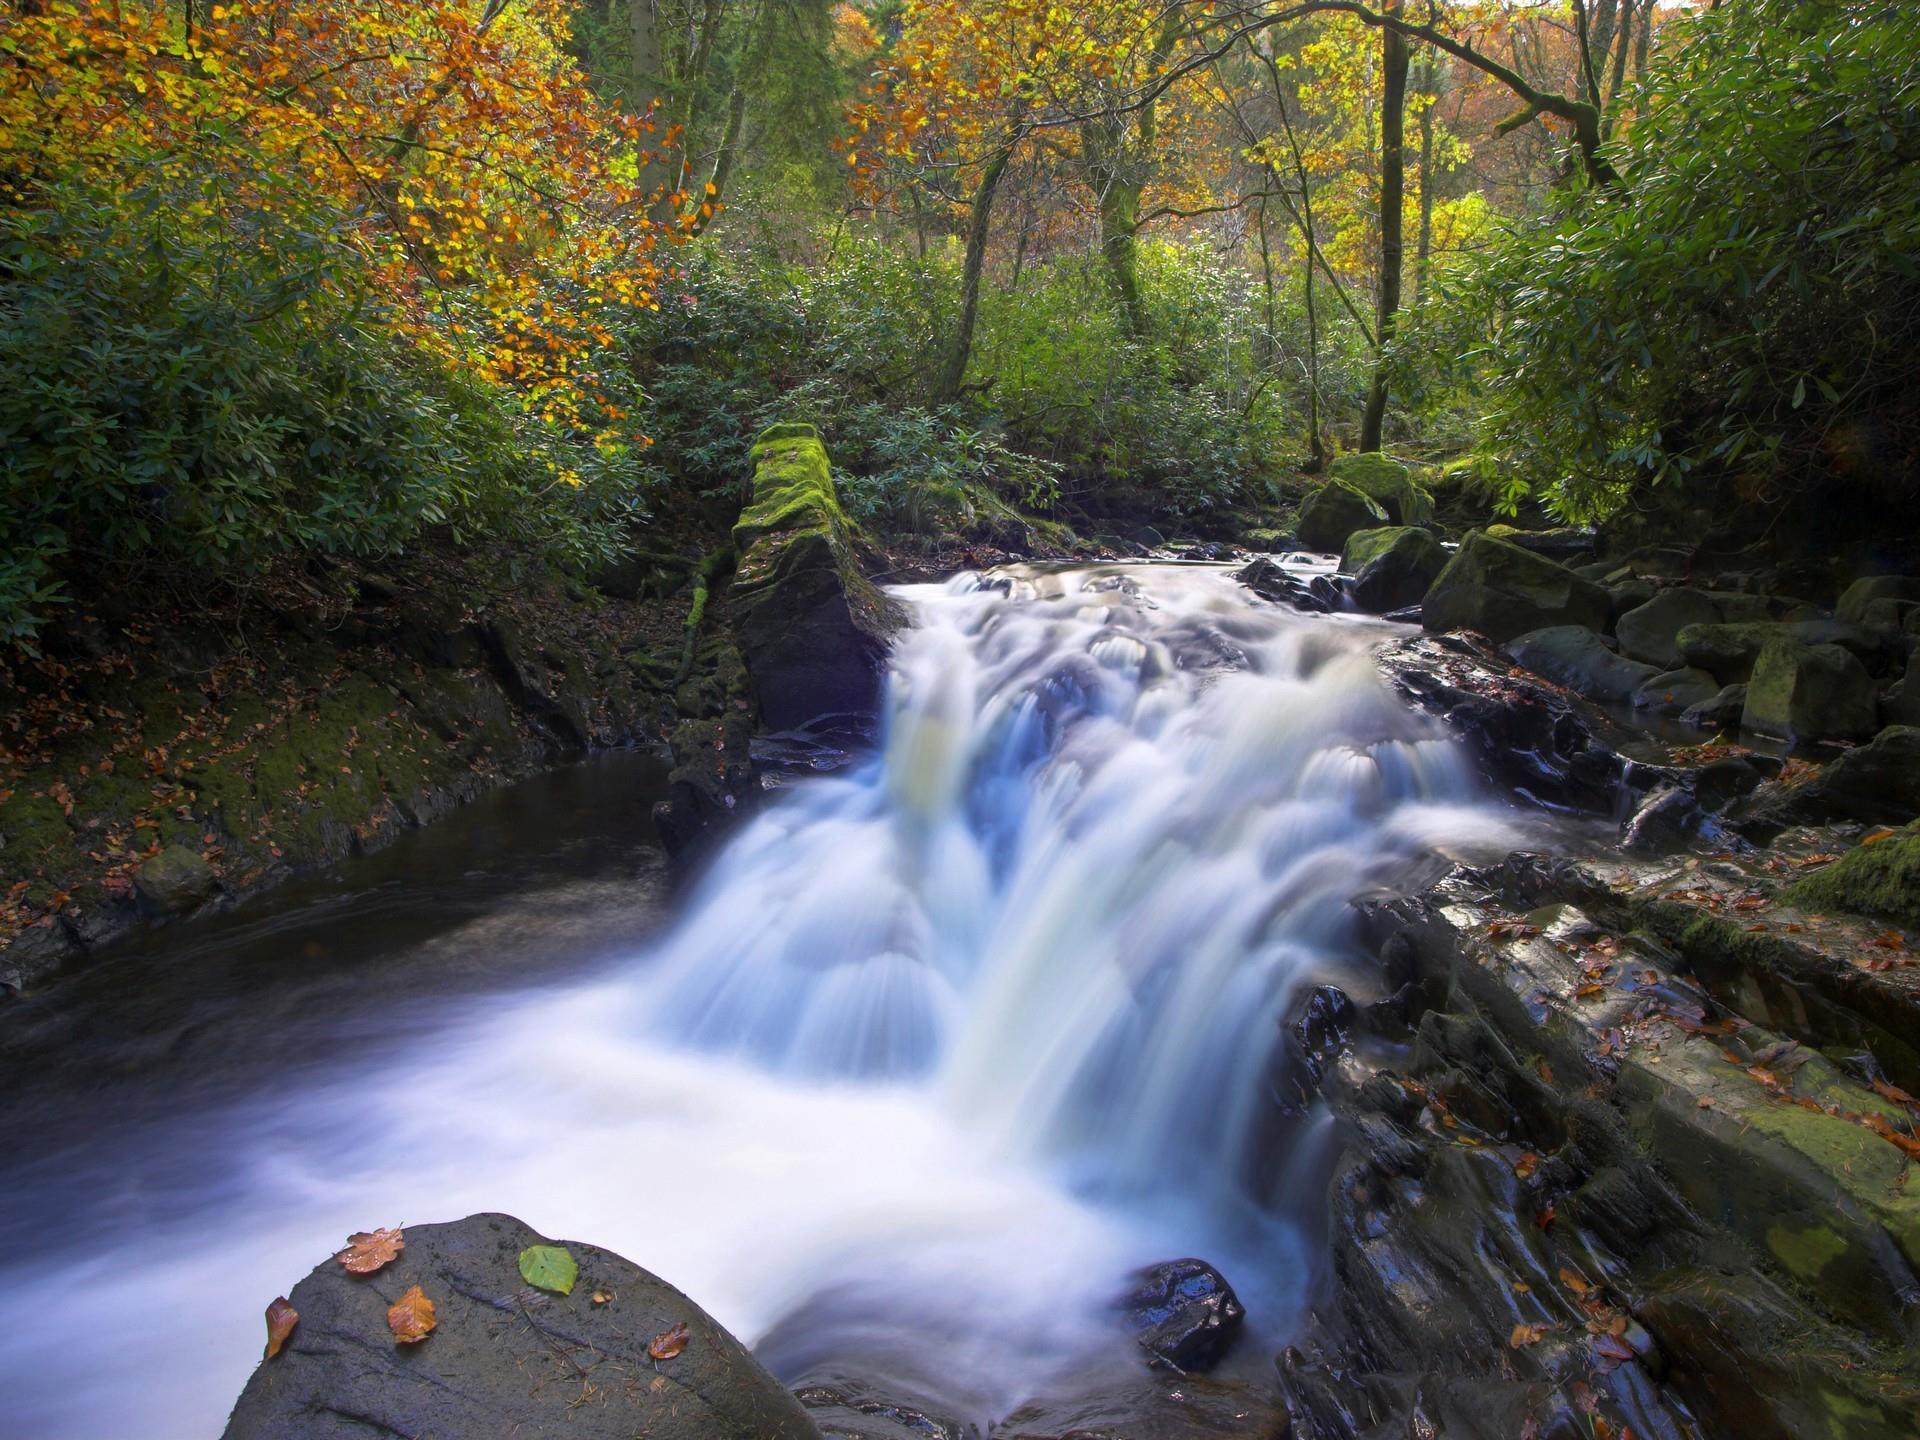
(1184, 1312)
(813, 630)
(504, 1358)
(1502, 591)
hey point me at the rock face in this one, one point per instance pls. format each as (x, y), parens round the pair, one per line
(1809, 692)
(1184, 1312)
(813, 631)
(1388, 484)
(1573, 656)
(1335, 511)
(1502, 591)
(1392, 567)
(175, 880)
(1270, 582)
(506, 1359)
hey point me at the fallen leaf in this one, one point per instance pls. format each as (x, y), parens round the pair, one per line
(668, 1343)
(281, 1318)
(1895, 1094)
(1889, 940)
(410, 1318)
(549, 1267)
(1526, 1165)
(1877, 836)
(1586, 990)
(1545, 1217)
(1575, 1281)
(602, 1297)
(1525, 1335)
(373, 1250)
(1612, 1350)
(1705, 1102)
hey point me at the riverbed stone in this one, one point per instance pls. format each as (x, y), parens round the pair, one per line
(505, 1359)
(1881, 880)
(175, 880)
(1502, 591)
(1809, 693)
(1388, 484)
(1878, 782)
(1648, 631)
(813, 630)
(1334, 512)
(1862, 594)
(1730, 650)
(1184, 1313)
(1722, 712)
(1573, 656)
(1675, 692)
(1391, 567)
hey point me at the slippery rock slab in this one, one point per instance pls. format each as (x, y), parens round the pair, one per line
(1501, 590)
(813, 630)
(1881, 879)
(1183, 1312)
(504, 1358)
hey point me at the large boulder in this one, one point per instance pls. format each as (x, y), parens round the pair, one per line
(1730, 650)
(1335, 511)
(1858, 601)
(1392, 567)
(1565, 543)
(1502, 591)
(1183, 1313)
(1678, 692)
(1809, 692)
(1573, 656)
(1876, 782)
(174, 880)
(1881, 880)
(505, 1358)
(1387, 482)
(1648, 632)
(813, 630)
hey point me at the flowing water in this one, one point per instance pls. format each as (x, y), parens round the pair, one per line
(935, 1053)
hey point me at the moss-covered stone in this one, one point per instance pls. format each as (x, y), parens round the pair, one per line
(1880, 879)
(175, 880)
(1334, 512)
(1730, 650)
(1809, 693)
(1387, 482)
(1502, 591)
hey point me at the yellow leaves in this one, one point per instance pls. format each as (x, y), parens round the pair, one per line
(411, 1317)
(371, 1251)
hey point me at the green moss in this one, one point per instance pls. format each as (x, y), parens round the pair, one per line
(34, 832)
(1881, 880)
(1805, 1252)
(792, 488)
(1389, 482)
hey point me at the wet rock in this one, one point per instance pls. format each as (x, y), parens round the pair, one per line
(1860, 597)
(1389, 484)
(505, 1359)
(1901, 703)
(1667, 819)
(1391, 567)
(1676, 692)
(1502, 591)
(175, 880)
(1810, 692)
(1183, 1312)
(1722, 712)
(1316, 1027)
(1649, 632)
(1730, 651)
(848, 1407)
(814, 632)
(1878, 782)
(1271, 582)
(1155, 1406)
(1573, 656)
(1335, 511)
(1564, 543)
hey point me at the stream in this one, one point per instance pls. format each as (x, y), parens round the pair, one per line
(933, 1055)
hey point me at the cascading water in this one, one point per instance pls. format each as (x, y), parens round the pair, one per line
(941, 1048)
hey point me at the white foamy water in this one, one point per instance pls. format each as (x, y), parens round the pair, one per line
(939, 1050)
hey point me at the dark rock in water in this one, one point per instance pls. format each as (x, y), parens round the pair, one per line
(1502, 591)
(1154, 1406)
(1184, 1313)
(1722, 712)
(505, 1359)
(1573, 656)
(1335, 511)
(1675, 692)
(1649, 631)
(1878, 782)
(1392, 567)
(1270, 582)
(1316, 1031)
(1667, 819)
(1212, 552)
(1810, 692)
(175, 880)
(814, 632)
(846, 1407)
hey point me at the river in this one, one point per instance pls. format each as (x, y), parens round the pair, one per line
(936, 1051)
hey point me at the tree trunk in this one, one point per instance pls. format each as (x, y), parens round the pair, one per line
(953, 372)
(1119, 247)
(1393, 181)
(1423, 246)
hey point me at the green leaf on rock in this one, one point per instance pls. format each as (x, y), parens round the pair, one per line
(549, 1267)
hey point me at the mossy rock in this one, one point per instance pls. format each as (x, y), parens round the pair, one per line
(1503, 591)
(1881, 880)
(1334, 512)
(1730, 650)
(1392, 567)
(1810, 692)
(792, 487)
(1387, 482)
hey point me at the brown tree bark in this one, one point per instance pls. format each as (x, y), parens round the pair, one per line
(1393, 182)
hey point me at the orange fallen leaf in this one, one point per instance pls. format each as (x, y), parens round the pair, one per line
(369, 1251)
(410, 1318)
(1545, 1217)
(602, 1297)
(1877, 836)
(1526, 1165)
(1705, 1102)
(1525, 1335)
(1894, 1093)
(1889, 940)
(668, 1343)
(1575, 1281)
(281, 1318)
